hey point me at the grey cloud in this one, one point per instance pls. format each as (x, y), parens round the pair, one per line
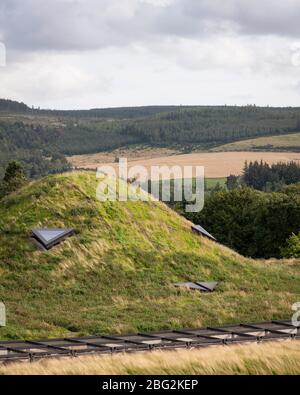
(255, 17)
(270, 17)
(90, 24)
(62, 24)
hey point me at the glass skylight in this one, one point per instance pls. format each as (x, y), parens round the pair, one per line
(50, 237)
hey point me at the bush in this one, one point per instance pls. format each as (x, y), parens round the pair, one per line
(292, 249)
(14, 178)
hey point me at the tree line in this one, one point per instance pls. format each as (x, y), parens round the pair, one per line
(264, 177)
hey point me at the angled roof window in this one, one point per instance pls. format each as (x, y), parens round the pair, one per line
(209, 286)
(199, 229)
(48, 238)
(199, 286)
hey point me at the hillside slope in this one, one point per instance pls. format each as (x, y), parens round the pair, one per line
(116, 273)
(34, 136)
(288, 142)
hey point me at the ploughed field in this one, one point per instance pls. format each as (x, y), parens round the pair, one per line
(216, 164)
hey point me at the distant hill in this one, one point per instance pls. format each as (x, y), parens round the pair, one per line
(90, 131)
(12, 106)
(28, 133)
(112, 113)
(117, 273)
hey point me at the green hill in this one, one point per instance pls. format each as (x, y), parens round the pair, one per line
(117, 273)
(34, 136)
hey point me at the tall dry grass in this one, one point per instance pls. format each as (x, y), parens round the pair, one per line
(269, 358)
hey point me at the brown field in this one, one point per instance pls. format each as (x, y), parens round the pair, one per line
(266, 358)
(132, 154)
(217, 164)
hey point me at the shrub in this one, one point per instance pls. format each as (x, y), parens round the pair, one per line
(292, 248)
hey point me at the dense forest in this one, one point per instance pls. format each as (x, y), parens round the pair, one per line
(185, 127)
(13, 106)
(36, 136)
(254, 223)
(29, 145)
(257, 214)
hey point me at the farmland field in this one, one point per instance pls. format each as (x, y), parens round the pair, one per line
(131, 153)
(216, 164)
(288, 142)
(213, 182)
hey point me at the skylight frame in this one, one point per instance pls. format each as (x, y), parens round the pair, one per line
(48, 244)
(201, 230)
(202, 286)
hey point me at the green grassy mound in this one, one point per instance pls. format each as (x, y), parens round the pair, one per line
(117, 273)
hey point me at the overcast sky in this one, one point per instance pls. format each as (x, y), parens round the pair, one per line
(69, 54)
